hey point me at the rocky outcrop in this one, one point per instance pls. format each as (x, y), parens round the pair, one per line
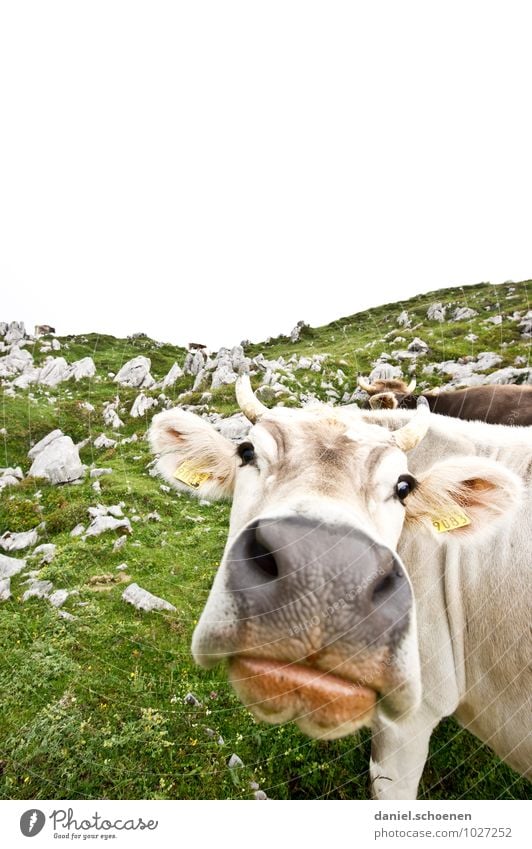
(136, 373)
(56, 458)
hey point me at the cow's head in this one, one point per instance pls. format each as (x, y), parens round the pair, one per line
(311, 606)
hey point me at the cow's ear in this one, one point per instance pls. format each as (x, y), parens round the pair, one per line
(192, 456)
(464, 496)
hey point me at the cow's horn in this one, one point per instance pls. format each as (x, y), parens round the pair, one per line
(247, 400)
(407, 437)
(411, 386)
(367, 387)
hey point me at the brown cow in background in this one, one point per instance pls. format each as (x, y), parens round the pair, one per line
(507, 404)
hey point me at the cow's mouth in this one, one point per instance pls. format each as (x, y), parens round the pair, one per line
(321, 704)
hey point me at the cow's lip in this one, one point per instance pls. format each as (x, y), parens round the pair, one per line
(321, 703)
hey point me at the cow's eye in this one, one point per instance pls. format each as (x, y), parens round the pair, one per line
(404, 486)
(246, 452)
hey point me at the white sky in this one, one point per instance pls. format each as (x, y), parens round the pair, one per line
(209, 171)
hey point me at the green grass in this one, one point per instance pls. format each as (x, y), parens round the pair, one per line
(94, 707)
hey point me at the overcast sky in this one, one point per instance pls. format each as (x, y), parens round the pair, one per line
(212, 171)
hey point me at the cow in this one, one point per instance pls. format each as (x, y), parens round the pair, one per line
(43, 330)
(361, 588)
(508, 404)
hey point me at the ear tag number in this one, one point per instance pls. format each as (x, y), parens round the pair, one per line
(191, 475)
(450, 521)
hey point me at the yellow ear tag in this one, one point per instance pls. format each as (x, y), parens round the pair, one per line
(450, 521)
(191, 475)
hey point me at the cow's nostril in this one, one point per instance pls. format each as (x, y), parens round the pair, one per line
(385, 586)
(263, 558)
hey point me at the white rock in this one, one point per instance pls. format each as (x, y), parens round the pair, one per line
(97, 473)
(15, 332)
(471, 337)
(38, 589)
(15, 362)
(86, 405)
(103, 441)
(78, 530)
(136, 373)
(10, 566)
(120, 543)
(54, 371)
(436, 312)
(194, 362)
(101, 524)
(464, 313)
(5, 589)
(56, 345)
(17, 542)
(110, 415)
(58, 598)
(234, 762)
(122, 567)
(82, 368)
(56, 459)
(47, 551)
(384, 371)
(172, 377)
(403, 319)
(304, 363)
(144, 600)
(224, 374)
(418, 346)
(511, 375)
(234, 427)
(141, 405)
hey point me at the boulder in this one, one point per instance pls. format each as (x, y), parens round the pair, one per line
(54, 371)
(403, 319)
(194, 362)
(141, 405)
(103, 441)
(464, 313)
(10, 566)
(15, 332)
(436, 312)
(83, 368)
(56, 458)
(418, 346)
(136, 373)
(224, 373)
(5, 589)
(101, 524)
(144, 600)
(234, 427)
(15, 362)
(17, 542)
(173, 375)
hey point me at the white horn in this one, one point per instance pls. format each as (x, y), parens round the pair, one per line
(367, 387)
(247, 400)
(411, 434)
(411, 386)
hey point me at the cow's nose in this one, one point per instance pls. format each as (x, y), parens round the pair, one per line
(295, 576)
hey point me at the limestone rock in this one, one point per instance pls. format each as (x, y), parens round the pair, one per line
(15, 362)
(144, 600)
(56, 458)
(436, 312)
(10, 566)
(295, 335)
(141, 405)
(54, 371)
(136, 373)
(173, 375)
(101, 524)
(17, 542)
(83, 368)
(464, 313)
(103, 441)
(5, 589)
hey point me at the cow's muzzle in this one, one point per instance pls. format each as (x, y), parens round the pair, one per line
(318, 614)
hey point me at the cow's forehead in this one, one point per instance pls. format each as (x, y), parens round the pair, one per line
(290, 426)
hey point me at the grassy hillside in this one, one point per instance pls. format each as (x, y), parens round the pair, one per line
(95, 706)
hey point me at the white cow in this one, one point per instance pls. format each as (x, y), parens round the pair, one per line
(357, 589)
